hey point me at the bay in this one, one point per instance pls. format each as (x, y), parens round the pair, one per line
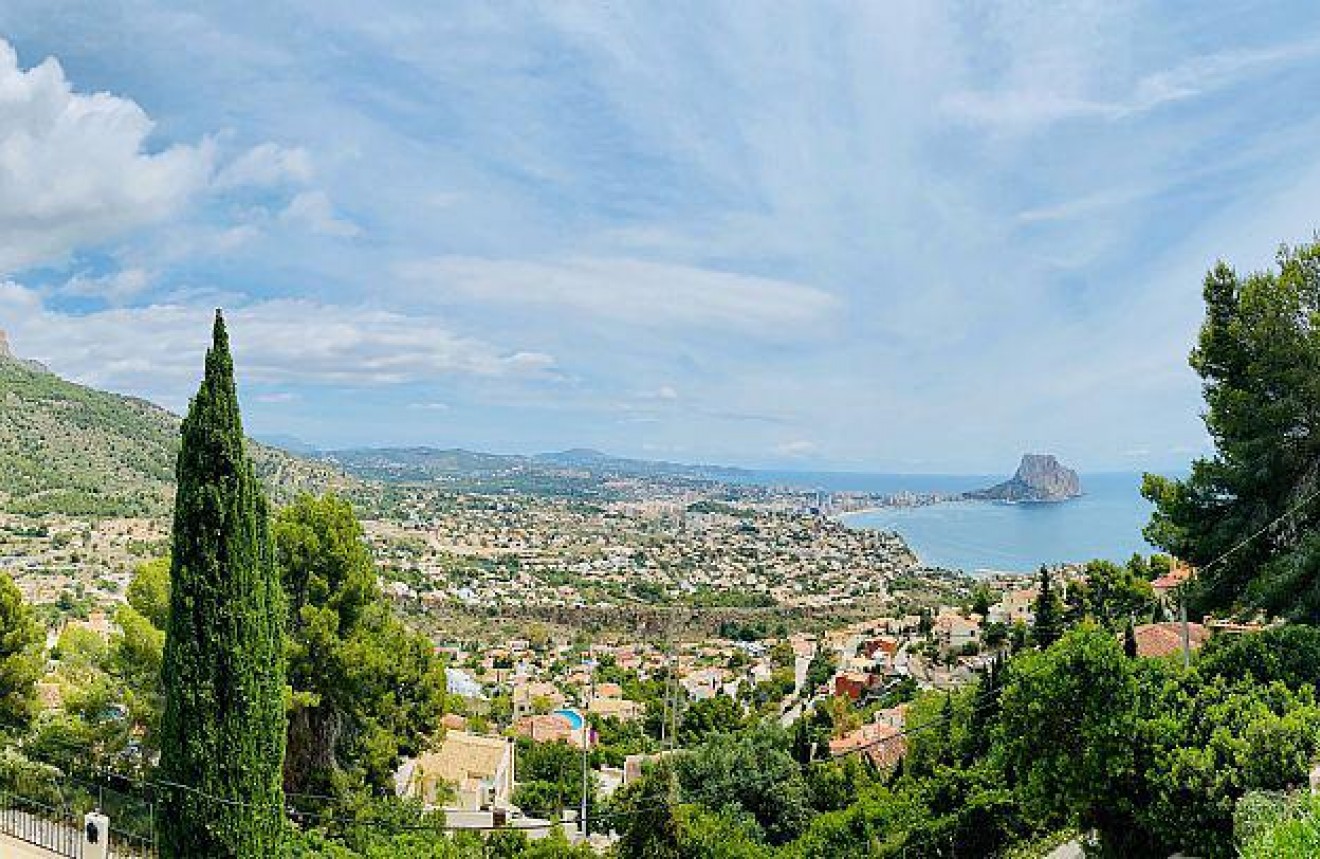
(983, 536)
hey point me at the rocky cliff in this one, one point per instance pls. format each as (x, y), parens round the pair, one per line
(1039, 477)
(4, 345)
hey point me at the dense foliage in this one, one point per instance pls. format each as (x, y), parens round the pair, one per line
(223, 728)
(20, 658)
(367, 691)
(1252, 507)
(1149, 756)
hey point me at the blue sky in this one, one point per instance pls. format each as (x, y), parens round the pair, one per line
(876, 236)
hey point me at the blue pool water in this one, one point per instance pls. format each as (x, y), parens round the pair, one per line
(573, 716)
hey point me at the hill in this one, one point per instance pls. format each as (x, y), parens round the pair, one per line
(578, 472)
(67, 448)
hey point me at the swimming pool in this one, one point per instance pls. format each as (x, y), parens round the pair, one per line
(573, 716)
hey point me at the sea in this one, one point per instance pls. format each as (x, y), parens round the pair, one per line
(991, 536)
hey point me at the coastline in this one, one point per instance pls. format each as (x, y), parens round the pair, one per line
(980, 538)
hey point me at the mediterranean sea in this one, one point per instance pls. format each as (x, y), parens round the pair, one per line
(985, 536)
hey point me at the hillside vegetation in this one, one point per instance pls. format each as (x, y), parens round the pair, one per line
(66, 448)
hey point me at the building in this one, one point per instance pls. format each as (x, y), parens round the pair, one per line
(1014, 607)
(469, 772)
(617, 708)
(548, 728)
(459, 682)
(535, 695)
(880, 743)
(956, 632)
(1166, 585)
(1165, 639)
(885, 646)
(853, 684)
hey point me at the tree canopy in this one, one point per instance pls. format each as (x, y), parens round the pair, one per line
(1251, 507)
(366, 690)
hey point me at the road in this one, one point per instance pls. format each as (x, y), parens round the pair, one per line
(11, 848)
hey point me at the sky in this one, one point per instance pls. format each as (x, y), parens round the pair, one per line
(912, 237)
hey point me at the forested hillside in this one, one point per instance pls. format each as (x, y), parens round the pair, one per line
(66, 448)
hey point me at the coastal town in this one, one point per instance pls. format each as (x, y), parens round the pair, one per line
(607, 625)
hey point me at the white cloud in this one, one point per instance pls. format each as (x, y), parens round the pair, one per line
(156, 350)
(314, 210)
(74, 169)
(1050, 97)
(267, 164)
(632, 291)
(115, 288)
(429, 407)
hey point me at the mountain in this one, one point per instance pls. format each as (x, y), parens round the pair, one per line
(569, 469)
(412, 464)
(1039, 477)
(599, 463)
(67, 448)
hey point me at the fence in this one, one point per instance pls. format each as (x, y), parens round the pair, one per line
(59, 829)
(56, 830)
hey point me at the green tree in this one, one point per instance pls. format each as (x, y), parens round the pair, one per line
(1258, 356)
(1066, 733)
(222, 733)
(149, 591)
(367, 691)
(749, 776)
(21, 659)
(717, 715)
(648, 821)
(1130, 641)
(1115, 594)
(1048, 611)
(550, 776)
(982, 598)
(819, 670)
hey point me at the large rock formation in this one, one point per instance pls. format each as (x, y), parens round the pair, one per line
(1040, 477)
(4, 345)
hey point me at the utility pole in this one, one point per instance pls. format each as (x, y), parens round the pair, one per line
(678, 693)
(673, 712)
(1186, 638)
(586, 744)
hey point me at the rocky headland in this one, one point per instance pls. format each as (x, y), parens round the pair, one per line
(1039, 478)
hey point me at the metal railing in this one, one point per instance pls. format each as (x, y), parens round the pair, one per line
(56, 830)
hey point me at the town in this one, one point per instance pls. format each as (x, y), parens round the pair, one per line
(622, 629)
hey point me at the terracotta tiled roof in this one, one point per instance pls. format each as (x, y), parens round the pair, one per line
(1164, 639)
(884, 745)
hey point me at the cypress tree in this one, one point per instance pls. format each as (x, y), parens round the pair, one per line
(222, 735)
(1047, 610)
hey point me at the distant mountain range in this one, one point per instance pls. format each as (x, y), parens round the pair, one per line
(407, 464)
(68, 448)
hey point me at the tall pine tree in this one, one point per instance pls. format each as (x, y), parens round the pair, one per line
(222, 735)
